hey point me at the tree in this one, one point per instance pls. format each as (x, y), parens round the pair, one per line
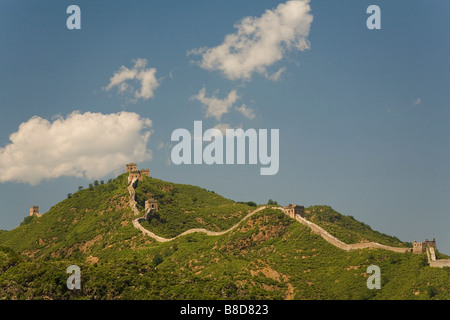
(91, 186)
(80, 188)
(102, 182)
(69, 195)
(157, 259)
(272, 203)
(27, 220)
(96, 183)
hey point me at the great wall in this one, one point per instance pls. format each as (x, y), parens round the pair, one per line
(293, 211)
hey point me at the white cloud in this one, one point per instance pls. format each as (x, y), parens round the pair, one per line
(247, 112)
(276, 75)
(145, 77)
(89, 145)
(260, 42)
(417, 102)
(214, 106)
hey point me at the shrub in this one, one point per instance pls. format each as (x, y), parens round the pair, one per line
(157, 259)
(27, 220)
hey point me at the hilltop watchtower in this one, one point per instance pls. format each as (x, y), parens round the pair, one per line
(145, 172)
(134, 173)
(131, 167)
(294, 209)
(34, 211)
(421, 247)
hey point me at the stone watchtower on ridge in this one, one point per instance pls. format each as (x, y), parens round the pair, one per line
(34, 211)
(134, 173)
(294, 209)
(421, 247)
(131, 167)
(151, 205)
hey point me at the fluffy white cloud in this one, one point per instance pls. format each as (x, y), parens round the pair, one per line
(145, 76)
(247, 112)
(260, 42)
(417, 102)
(214, 106)
(89, 145)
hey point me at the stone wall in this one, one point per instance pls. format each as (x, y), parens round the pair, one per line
(430, 245)
(440, 263)
(344, 246)
(314, 228)
(431, 254)
(132, 197)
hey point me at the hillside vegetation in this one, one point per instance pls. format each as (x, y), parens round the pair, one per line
(348, 229)
(183, 207)
(269, 256)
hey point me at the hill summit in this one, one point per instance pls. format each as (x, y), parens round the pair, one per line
(214, 248)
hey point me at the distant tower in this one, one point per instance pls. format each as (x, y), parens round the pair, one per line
(293, 210)
(151, 204)
(421, 247)
(131, 167)
(34, 211)
(418, 247)
(134, 173)
(145, 172)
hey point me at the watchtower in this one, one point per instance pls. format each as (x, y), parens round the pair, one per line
(151, 204)
(145, 172)
(294, 209)
(34, 211)
(131, 167)
(421, 247)
(134, 173)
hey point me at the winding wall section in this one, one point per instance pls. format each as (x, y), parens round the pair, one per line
(314, 228)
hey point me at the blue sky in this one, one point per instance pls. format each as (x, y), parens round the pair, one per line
(363, 114)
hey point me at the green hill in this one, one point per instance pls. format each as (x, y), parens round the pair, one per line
(268, 256)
